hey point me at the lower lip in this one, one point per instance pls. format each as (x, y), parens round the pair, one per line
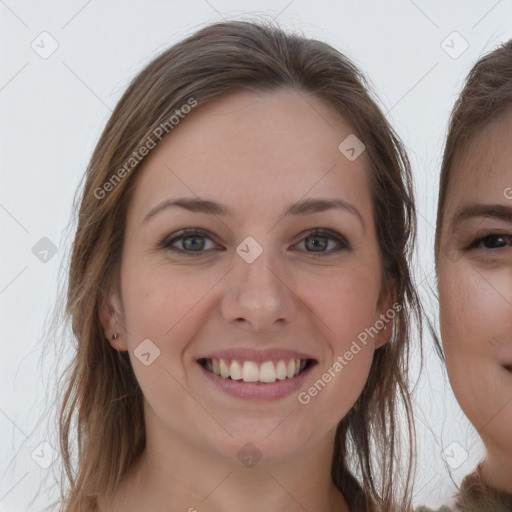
(257, 391)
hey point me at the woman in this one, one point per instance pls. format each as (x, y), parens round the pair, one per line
(239, 287)
(474, 264)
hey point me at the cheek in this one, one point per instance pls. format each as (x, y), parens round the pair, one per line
(453, 316)
(343, 305)
(167, 305)
(343, 311)
(475, 327)
(159, 300)
(475, 308)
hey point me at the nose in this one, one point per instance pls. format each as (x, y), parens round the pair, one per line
(258, 296)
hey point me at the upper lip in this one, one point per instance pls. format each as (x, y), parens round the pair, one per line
(256, 355)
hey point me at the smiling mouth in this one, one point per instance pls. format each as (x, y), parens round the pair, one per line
(251, 371)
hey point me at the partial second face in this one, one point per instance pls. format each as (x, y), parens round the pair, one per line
(475, 282)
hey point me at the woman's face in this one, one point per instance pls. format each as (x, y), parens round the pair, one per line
(249, 290)
(475, 283)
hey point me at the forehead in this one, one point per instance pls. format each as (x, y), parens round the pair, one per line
(257, 147)
(484, 169)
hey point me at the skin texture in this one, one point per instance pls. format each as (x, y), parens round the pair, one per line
(475, 286)
(256, 153)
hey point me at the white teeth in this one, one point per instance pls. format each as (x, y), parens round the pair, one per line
(267, 372)
(281, 370)
(250, 371)
(290, 369)
(224, 370)
(235, 371)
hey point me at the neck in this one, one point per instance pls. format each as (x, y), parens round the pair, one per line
(180, 475)
(497, 470)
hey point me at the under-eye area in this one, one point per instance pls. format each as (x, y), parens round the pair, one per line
(257, 372)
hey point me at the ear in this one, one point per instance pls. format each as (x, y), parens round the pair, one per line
(385, 314)
(112, 319)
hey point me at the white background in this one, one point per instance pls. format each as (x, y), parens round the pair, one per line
(52, 113)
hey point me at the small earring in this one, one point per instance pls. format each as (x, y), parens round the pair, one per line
(115, 336)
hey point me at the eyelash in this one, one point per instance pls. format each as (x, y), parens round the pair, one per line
(476, 243)
(168, 241)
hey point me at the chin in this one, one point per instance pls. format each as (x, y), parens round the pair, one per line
(264, 445)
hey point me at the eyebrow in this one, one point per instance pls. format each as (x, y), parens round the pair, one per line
(493, 211)
(303, 207)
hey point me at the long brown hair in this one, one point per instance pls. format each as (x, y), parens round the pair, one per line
(102, 401)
